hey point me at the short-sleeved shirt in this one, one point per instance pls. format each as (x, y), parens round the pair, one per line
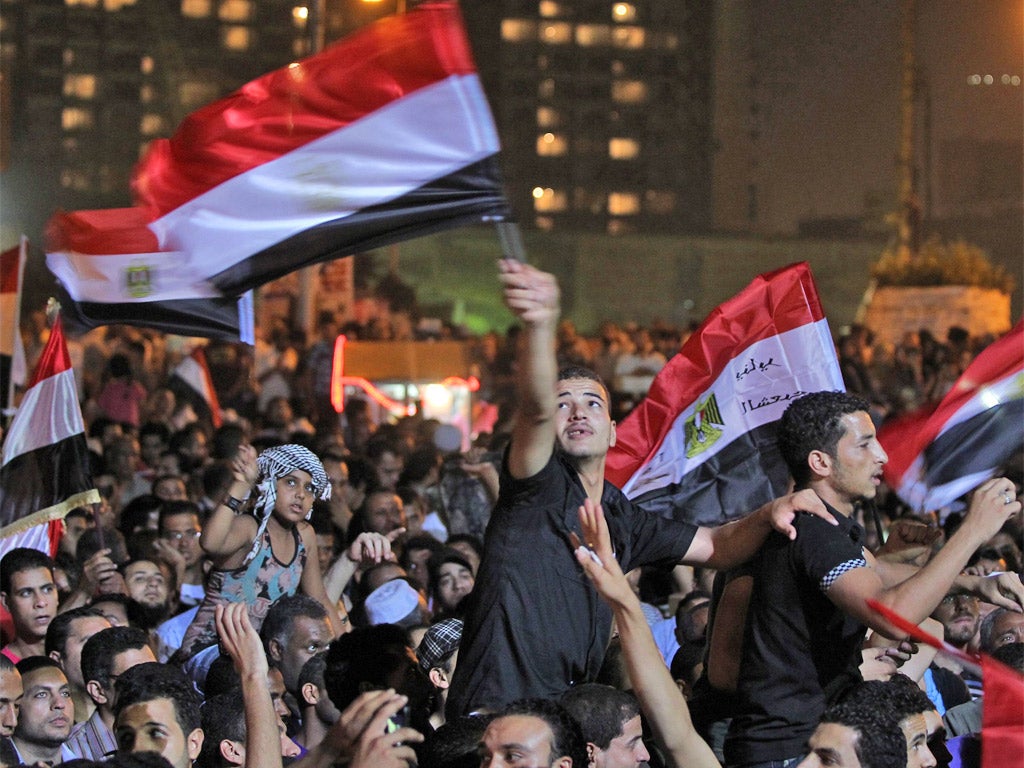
(798, 645)
(535, 624)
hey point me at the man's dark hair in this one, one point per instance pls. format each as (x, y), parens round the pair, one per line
(99, 651)
(21, 559)
(467, 538)
(904, 696)
(178, 507)
(813, 423)
(600, 710)
(157, 428)
(151, 681)
(137, 513)
(567, 737)
(282, 615)
(30, 664)
(1012, 655)
(582, 372)
(112, 597)
(221, 677)
(6, 665)
(223, 717)
(880, 742)
(358, 661)
(455, 744)
(132, 760)
(59, 629)
(93, 540)
(320, 519)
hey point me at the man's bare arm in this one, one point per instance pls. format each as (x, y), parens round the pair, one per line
(660, 697)
(533, 297)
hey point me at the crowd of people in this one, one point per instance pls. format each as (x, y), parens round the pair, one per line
(298, 586)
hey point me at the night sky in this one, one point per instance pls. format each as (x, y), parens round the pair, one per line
(831, 90)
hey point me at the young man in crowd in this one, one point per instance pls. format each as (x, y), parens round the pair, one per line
(533, 732)
(157, 710)
(106, 656)
(856, 734)
(65, 638)
(28, 592)
(47, 713)
(514, 648)
(11, 692)
(809, 607)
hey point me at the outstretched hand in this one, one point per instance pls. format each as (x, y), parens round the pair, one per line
(359, 735)
(373, 548)
(783, 511)
(597, 558)
(244, 466)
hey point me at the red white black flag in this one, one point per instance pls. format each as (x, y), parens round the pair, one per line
(940, 453)
(382, 137)
(45, 466)
(701, 446)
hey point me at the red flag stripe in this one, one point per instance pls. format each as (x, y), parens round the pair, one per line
(9, 269)
(55, 358)
(293, 106)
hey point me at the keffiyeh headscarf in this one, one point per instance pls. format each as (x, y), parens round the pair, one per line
(275, 463)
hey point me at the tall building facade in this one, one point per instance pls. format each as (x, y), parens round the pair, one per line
(604, 110)
(91, 82)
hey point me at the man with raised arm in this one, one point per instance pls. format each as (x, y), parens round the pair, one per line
(535, 625)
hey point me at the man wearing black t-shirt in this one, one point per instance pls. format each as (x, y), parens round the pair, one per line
(808, 610)
(534, 624)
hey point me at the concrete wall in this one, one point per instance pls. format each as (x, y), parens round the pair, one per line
(893, 312)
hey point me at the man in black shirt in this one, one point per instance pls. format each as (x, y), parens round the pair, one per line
(534, 624)
(808, 610)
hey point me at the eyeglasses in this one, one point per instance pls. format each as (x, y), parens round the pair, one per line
(179, 535)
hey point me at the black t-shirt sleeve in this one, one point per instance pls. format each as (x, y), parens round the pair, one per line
(824, 552)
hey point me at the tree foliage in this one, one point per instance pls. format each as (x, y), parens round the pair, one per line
(939, 263)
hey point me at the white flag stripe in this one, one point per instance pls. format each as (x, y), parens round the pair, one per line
(49, 396)
(106, 279)
(390, 152)
(753, 390)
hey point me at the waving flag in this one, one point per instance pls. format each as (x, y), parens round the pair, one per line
(937, 455)
(45, 466)
(381, 137)
(701, 445)
(190, 381)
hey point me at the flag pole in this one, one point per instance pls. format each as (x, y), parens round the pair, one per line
(511, 238)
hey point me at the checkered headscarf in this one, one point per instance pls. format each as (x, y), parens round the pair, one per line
(275, 463)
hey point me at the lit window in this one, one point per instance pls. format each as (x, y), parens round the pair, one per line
(550, 10)
(146, 94)
(556, 32)
(82, 3)
(623, 149)
(235, 10)
(623, 204)
(116, 5)
(80, 86)
(300, 15)
(146, 65)
(75, 118)
(518, 30)
(628, 37)
(629, 91)
(547, 117)
(196, 93)
(550, 201)
(77, 180)
(552, 145)
(546, 88)
(588, 35)
(151, 125)
(196, 9)
(659, 202)
(622, 12)
(235, 38)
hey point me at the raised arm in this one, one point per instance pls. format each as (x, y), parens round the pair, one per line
(660, 698)
(242, 643)
(533, 297)
(916, 597)
(226, 533)
(312, 584)
(730, 545)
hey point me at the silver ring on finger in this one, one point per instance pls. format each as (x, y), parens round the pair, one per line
(1007, 498)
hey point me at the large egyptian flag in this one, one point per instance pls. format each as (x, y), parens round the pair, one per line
(45, 466)
(940, 453)
(381, 137)
(702, 445)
